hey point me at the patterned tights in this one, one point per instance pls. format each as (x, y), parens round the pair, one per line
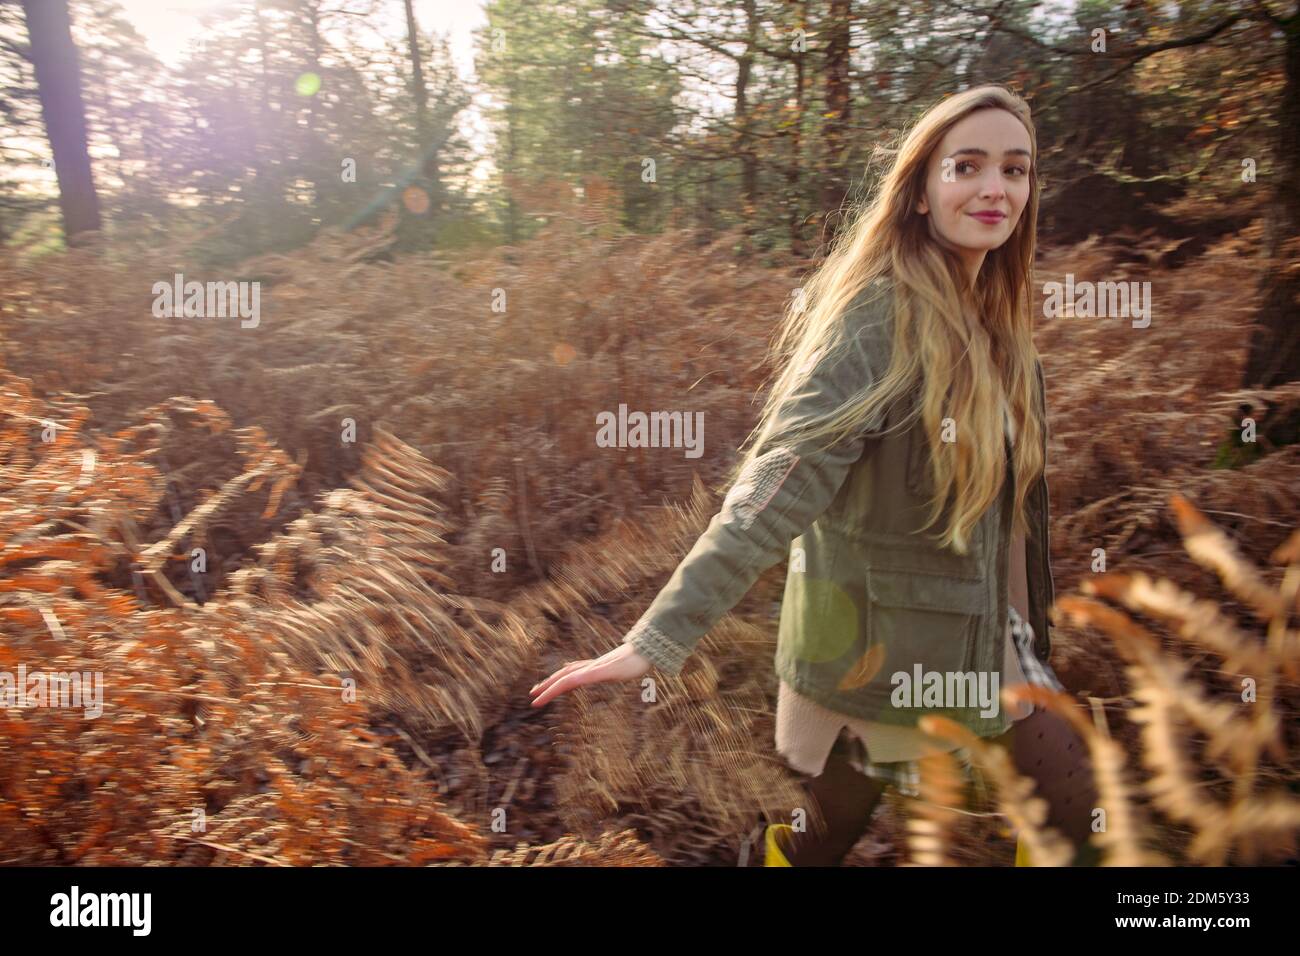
(1044, 747)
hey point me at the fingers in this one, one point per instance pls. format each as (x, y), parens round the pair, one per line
(558, 683)
(563, 686)
(619, 664)
(566, 669)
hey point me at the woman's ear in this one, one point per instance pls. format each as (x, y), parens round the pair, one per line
(922, 207)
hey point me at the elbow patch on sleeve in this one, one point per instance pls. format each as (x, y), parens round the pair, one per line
(757, 486)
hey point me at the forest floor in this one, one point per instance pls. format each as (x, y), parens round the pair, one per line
(319, 562)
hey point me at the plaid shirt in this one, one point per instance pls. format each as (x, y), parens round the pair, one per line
(905, 774)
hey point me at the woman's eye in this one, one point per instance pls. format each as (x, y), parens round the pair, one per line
(1019, 170)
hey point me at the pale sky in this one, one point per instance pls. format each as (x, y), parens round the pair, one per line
(170, 26)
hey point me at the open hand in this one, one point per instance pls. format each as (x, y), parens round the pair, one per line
(622, 663)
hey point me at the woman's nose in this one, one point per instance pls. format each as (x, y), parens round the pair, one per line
(992, 187)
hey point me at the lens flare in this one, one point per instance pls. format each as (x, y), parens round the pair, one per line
(416, 200)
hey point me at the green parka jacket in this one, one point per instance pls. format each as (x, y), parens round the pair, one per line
(867, 596)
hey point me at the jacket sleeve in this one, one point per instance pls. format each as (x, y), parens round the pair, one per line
(788, 484)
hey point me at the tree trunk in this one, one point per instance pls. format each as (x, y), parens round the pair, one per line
(745, 133)
(839, 108)
(58, 77)
(1274, 355)
(1275, 350)
(793, 189)
(512, 155)
(417, 76)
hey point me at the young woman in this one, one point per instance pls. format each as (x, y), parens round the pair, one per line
(909, 393)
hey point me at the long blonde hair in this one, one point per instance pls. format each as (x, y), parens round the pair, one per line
(938, 338)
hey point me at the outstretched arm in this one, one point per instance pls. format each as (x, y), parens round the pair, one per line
(787, 486)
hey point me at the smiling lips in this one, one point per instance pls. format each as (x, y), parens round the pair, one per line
(992, 217)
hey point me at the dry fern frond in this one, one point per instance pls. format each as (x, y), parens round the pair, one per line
(611, 849)
(1171, 677)
(1213, 549)
(691, 766)
(1198, 620)
(213, 747)
(1015, 792)
(1168, 696)
(930, 825)
(1121, 840)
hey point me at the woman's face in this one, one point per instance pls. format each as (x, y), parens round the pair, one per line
(981, 166)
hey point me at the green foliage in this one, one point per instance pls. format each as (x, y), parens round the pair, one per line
(763, 119)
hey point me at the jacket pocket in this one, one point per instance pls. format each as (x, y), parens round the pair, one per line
(931, 620)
